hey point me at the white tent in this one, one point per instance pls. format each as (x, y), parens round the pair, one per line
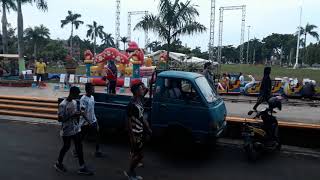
(180, 57)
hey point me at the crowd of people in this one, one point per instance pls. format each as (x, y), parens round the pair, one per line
(77, 119)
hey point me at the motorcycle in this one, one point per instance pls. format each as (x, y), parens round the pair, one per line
(262, 137)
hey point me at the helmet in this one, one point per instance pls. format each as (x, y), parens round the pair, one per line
(274, 102)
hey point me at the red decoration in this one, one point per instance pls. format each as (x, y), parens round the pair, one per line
(88, 55)
(132, 46)
(123, 59)
(100, 58)
(111, 54)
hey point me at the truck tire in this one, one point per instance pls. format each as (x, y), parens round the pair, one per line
(178, 137)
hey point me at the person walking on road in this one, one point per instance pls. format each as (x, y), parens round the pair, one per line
(41, 68)
(88, 120)
(265, 89)
(68, 115)
(137, 125)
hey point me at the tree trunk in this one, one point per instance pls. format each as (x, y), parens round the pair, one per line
(94, 45)
(35, 49)
(71, 41)
(305, 49)
(4, 29)
(20, 38)
(124, 46)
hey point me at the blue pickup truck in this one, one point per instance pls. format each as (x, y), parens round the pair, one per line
(181, 105)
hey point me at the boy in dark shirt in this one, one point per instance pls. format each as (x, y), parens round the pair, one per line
(266, 87)
(137, 125)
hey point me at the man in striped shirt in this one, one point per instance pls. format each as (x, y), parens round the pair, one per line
(137, 125)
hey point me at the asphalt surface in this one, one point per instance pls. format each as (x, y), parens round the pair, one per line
(28, 151)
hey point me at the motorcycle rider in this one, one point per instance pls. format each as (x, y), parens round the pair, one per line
(266, 87)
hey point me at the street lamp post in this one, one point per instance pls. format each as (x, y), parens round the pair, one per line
(298, 40)
(248, 44)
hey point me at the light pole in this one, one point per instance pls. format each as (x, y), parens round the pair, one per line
(248, 44)
(298, 40)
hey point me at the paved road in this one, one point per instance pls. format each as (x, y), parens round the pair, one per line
(29, 150)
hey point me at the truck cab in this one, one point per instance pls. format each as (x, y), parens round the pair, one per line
(186, 102)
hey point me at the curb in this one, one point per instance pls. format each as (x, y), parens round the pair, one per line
(291, 151)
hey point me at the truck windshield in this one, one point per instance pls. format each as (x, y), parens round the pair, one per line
(206, 89)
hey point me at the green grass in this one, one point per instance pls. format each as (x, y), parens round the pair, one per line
(277, 71)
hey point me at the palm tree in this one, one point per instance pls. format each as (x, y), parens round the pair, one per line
(7, 5)
(95, 31)
(42, 5)
(309, 30)
(154, 45)
(72, 19)
(108, 40)
(37, 35)
(124, 40)
(174, 19)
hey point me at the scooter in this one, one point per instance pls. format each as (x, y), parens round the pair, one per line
(262, 137)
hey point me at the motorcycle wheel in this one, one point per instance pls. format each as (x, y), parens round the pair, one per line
(251, 153)
(279, 146)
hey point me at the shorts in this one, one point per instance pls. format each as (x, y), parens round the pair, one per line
(137, 146)
(40, 76)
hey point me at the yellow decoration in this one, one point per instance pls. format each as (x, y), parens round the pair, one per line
(88, 61)
(148, 62)
(121, 68)
(94, 70)
(128, 71)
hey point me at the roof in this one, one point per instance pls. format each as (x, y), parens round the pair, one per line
(16, 56)
(179, 74)
(182, 57)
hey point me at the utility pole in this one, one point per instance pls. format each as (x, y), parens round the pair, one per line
(298, 40)
(212, 26)
(254, 51)
(248, 44)
(117, 33)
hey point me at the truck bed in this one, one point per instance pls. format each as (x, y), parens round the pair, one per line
(111, 110)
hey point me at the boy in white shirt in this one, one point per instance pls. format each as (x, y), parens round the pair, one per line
(88, 121)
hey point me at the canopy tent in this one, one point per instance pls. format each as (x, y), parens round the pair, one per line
(180, 58)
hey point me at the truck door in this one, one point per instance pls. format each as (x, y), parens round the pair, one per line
(175, 103)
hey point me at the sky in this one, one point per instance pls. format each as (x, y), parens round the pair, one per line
(264, 17)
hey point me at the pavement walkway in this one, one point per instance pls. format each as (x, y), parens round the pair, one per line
(303, 114)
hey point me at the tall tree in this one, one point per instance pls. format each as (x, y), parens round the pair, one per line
(309, 30)
(108, 40)
(124, 40)
(42, 5)
(155, 46)
(72, 19)
(7, 5)
(95, 31)
(37, 35)
(174, 19)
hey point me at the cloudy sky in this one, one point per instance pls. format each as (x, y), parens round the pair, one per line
(265, 17)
